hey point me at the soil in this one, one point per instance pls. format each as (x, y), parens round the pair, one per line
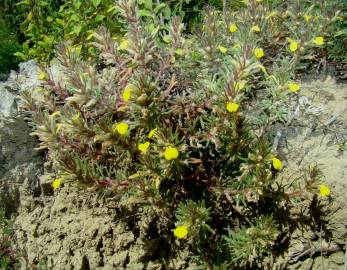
(317, 136)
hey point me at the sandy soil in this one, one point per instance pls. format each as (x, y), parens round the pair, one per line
(317, 135)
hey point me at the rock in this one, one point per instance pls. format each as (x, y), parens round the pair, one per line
(20, 164)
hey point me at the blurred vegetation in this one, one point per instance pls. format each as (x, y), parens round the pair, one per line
(8, 46)
(40, 25)
(337, 47)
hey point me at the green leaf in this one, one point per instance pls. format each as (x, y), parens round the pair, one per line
(148, 4)
(167, 12)
(99, 18)
(159, 7)
(77, 4)
(74, 18)
(60, 21)
(20, 55)
(145, 13)
(96, 3)
(77, 29)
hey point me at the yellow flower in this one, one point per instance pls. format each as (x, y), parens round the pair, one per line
(293, 46)
(232, 107)
(127, 93)
(233, 28)
(121, 128)
(277, 164)
(294, 87)
(152, 133)
(255, 28)
(42, 75)
(307, 17)
(56, 183)
(239, 85)
(171, 153)
(324, 190)
(143, 147)
(318, 41)
(222, 49)
(123, 46)
(258, 52)
(272, 14)
(259, 1)
(181, 231)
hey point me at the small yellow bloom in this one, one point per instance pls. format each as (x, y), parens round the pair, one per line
(171, 153)
(307, 17)
(324, 190)
(42, 75)
(143, 147)
(239, 85)
(277, 164)
(318, 41)
(255, 28)
(233, 28)
(272, 14)
(258, 52)
(123, 46)
(232, 107)
(293, 46)
(127, 93)
(56, 183)
(293, 87)
(122, 128)
(181, 232)
(222, 49)
(152, 133)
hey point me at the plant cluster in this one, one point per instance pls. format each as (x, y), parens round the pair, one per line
(183, 125)
(49, 22)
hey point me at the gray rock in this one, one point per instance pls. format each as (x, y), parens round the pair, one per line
(20, 164)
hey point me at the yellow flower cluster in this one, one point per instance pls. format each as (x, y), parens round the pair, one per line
(293, 87)
(181, 232)
(255, 28)
(232, 28)
(152, 133)
(121, 128)
(232, 107)
(238, 86)
(143, 147)
(123, 46)
(222, 49)
(277, 164)
(293, 46)
(324, 190)
(318, 41)
(56, 183)
(171, 153)
(259, 53)
(307, 17)
(127, 93)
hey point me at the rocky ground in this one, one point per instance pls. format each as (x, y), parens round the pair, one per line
(76, 229)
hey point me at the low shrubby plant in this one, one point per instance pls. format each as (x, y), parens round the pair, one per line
(183, 125)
